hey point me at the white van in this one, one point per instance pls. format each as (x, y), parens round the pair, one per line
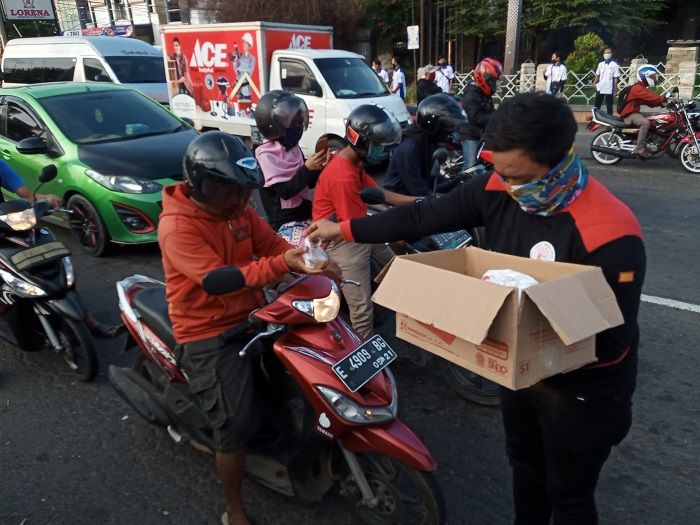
(127, 61)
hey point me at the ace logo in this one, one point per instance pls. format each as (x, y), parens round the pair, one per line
(208, 55)
(300, 42)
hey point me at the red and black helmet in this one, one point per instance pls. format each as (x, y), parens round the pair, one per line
(486, 73)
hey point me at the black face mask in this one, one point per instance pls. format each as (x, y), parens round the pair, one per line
(291, 137)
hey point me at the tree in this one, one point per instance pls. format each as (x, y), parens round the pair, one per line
(586, 53)
(387, 18)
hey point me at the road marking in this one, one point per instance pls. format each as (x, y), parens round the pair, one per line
(671, 303)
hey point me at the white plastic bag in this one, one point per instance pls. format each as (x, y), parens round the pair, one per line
(315, 256)
(510, 278)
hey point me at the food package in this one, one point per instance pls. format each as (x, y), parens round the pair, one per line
(314, 257)
(509, 278)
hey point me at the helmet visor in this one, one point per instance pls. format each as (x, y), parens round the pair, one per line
(386, 133)
(291, 113)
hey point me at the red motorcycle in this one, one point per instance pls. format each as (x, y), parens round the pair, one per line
(327, 399)
(676, 133)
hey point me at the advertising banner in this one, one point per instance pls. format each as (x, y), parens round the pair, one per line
(29, 10)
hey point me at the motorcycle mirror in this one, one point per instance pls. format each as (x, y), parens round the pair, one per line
(48, 173)
(372, 196)
(223, 280)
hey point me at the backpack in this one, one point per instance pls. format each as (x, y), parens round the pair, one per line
(622, 98)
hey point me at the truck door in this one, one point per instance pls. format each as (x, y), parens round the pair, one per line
(296, 77)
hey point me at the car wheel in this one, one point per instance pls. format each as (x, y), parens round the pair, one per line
(87, 226)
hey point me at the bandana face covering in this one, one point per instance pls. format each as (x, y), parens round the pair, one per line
(561, 186)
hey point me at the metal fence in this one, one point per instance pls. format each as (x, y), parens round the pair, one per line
(579, 88)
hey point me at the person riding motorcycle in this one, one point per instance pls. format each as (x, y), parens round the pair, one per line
(206, 224)
(438, 118)
(636, 97)
(369, 131)
(477, 102)
(282, 118)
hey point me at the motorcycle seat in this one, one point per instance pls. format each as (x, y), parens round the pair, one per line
(151, 304)
(601, 116)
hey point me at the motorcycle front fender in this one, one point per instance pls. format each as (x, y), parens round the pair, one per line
(395, 440)
(69, 306)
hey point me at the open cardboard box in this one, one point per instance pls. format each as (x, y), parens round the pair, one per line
(515, 339)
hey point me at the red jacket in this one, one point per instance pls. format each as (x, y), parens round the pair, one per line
(338, 190)
(639, 96)
(194, 242)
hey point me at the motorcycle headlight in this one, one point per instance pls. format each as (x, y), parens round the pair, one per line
(322, 310)
(20, 220)
(21, 286)
(358, 414)
(70, 274)
(124, 183)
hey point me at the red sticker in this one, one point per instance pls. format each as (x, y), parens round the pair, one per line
(353, 136)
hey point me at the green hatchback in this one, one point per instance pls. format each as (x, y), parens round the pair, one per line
(115, 150)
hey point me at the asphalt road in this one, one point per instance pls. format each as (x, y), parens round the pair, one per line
(75, 453)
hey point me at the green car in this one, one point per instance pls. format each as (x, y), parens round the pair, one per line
(115, 150)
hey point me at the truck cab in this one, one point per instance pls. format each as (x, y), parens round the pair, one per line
(332, 83)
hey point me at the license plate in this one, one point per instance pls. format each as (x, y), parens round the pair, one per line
(451, 240)
(365, 362)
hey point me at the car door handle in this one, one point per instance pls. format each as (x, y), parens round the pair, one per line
(6, 154)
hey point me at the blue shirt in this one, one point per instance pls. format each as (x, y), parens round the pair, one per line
(9, 178)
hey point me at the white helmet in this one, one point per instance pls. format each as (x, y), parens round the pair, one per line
(648, 74)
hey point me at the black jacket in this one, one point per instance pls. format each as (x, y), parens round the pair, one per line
(596, 229)
(479, 109)
(425, 88)
(271, 195)
(409, 168)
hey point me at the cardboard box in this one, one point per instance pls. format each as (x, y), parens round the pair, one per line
(515, 339)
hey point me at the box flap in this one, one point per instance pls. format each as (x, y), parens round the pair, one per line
(577, 306)
(453, 302)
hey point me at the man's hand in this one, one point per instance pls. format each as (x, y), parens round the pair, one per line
(54, 200)
(295, 261)
(317, 161)
(324, 229)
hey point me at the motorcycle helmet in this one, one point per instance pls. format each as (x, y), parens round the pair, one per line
(486, 73)
(648, 74)
(370, 129)
(441, 116)
(279, 112)
(220, 171)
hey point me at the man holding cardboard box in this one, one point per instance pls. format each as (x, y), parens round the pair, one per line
(541, 204)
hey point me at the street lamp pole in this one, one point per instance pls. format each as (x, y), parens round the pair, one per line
(513, 27)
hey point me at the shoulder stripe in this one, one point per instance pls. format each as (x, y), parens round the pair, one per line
(495, 183)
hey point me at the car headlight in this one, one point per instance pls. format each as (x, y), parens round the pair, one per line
(20, 220)
(70, 274)
(361, 415)
(21, 286)
(322, 310)
(124, 183)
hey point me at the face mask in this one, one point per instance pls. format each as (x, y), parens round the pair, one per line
(607, 56)
(651, 81)
(561, 186)
(375, 153)
(291, 137)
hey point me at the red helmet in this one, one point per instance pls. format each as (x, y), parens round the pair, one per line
(486, 73)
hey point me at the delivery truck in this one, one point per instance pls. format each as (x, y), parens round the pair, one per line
(218, 72)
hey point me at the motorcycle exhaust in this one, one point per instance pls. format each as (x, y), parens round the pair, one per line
(140, 394)
(623, 154)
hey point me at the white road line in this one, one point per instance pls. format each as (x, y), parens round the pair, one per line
(671, 303)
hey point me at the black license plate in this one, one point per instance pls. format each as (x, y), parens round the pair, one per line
(365, 362)
(451, 240)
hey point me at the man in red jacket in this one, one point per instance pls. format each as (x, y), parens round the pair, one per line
(638, 96)
(206, 225)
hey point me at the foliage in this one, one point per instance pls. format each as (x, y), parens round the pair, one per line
(482, 18)
(586, 53)
(388, 18)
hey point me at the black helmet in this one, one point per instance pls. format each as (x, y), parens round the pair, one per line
(370, 129)
(217, 161)
(441, 116)
(278, 111)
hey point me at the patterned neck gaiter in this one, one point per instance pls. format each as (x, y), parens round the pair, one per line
(555, 191)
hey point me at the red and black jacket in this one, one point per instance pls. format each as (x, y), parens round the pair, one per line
(597, 229)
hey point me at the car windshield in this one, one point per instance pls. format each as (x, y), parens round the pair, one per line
(138, 69)
(351, 78)
(91, 117)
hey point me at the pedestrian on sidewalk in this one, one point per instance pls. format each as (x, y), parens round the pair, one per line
(606, 78)
(555, 75)
(380, 71)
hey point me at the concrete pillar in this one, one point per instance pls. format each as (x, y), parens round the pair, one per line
(635, 64)
(540, 82)
(528, 71)
(686, 79)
